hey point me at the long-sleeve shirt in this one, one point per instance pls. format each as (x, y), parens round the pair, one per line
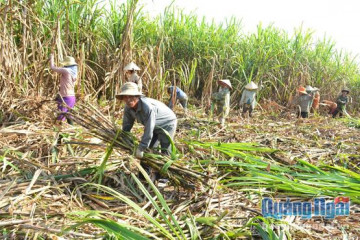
(151, 113)
(222, 99)
(341, 102)
(222, 96)
(248, 97)
(180, 94)
(136, 79)
(67, 79)
(304, 101)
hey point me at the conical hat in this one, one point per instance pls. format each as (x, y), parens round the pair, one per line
(131, 66)
(251, 86)
(227, 82)
(302, 90)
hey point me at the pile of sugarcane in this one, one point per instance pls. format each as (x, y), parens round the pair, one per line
(101, 127)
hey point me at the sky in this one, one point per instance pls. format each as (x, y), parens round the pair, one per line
(337, 19)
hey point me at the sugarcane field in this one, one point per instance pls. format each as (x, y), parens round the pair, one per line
(118, 125)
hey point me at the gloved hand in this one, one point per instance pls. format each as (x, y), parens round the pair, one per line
(139, 153)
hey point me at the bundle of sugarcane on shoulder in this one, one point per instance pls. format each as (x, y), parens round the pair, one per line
(160, 125)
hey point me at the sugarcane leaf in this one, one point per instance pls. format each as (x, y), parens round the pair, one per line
(166, 166)
(210, 221)
(111, 227)
(133, 205)
(177, 230)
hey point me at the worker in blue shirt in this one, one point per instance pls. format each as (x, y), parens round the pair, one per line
(177, 94)
(153, 114)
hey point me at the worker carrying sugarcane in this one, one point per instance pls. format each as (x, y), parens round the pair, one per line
(132, 76)
(304, 101)
(153, 114)
(248, 98)
(177, 94)
(222, 100)
(66, 97)
(316, 102)
(341, 102)
(314, 92)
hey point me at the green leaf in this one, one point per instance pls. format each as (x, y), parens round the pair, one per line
(111, 227)
(210, 221)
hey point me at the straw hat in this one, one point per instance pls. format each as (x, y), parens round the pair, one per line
(68, 61)
(129, 89)
(302, 90)
(227, 82)
(309, 88)
(131, 67)
(251, 86)
(346, 90)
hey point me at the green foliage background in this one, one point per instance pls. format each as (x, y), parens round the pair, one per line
(173, 45)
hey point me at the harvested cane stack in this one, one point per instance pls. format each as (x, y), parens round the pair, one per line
(92, 119)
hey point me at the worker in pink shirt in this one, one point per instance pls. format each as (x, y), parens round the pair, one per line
(66, 97)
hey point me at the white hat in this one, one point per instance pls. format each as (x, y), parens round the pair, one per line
(68, 61)
(129, 89)
(309, 88)
(131, 67)
(251, 86)
(227, 82)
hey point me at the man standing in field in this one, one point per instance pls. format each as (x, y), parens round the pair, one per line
(132, 75)
(248, 98)
(153, 114)
(341, 102)
(222, 100)
(304, 101)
